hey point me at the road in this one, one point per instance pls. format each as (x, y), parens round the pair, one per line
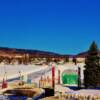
(12, 71)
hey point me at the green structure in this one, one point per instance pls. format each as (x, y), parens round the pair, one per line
(70, 77)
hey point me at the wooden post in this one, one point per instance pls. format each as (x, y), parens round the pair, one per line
(79, 77)
(53, 76)
(58, 76)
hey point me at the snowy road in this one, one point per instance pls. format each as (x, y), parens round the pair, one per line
(12, 71)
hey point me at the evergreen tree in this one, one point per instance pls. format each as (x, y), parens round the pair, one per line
(92, 67)
(75, 61)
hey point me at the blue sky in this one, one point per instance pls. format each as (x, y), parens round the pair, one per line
(62, 26)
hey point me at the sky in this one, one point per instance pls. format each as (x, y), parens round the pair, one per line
(61, 26)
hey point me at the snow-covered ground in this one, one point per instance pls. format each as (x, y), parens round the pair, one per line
(12, 71)
(34, 72)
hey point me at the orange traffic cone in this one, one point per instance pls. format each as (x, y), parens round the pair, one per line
(4, 84)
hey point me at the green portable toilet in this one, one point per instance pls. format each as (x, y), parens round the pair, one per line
(70, 77)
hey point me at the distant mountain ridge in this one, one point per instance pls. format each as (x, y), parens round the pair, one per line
(5, 51)
(83, 54)
(30, 51)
